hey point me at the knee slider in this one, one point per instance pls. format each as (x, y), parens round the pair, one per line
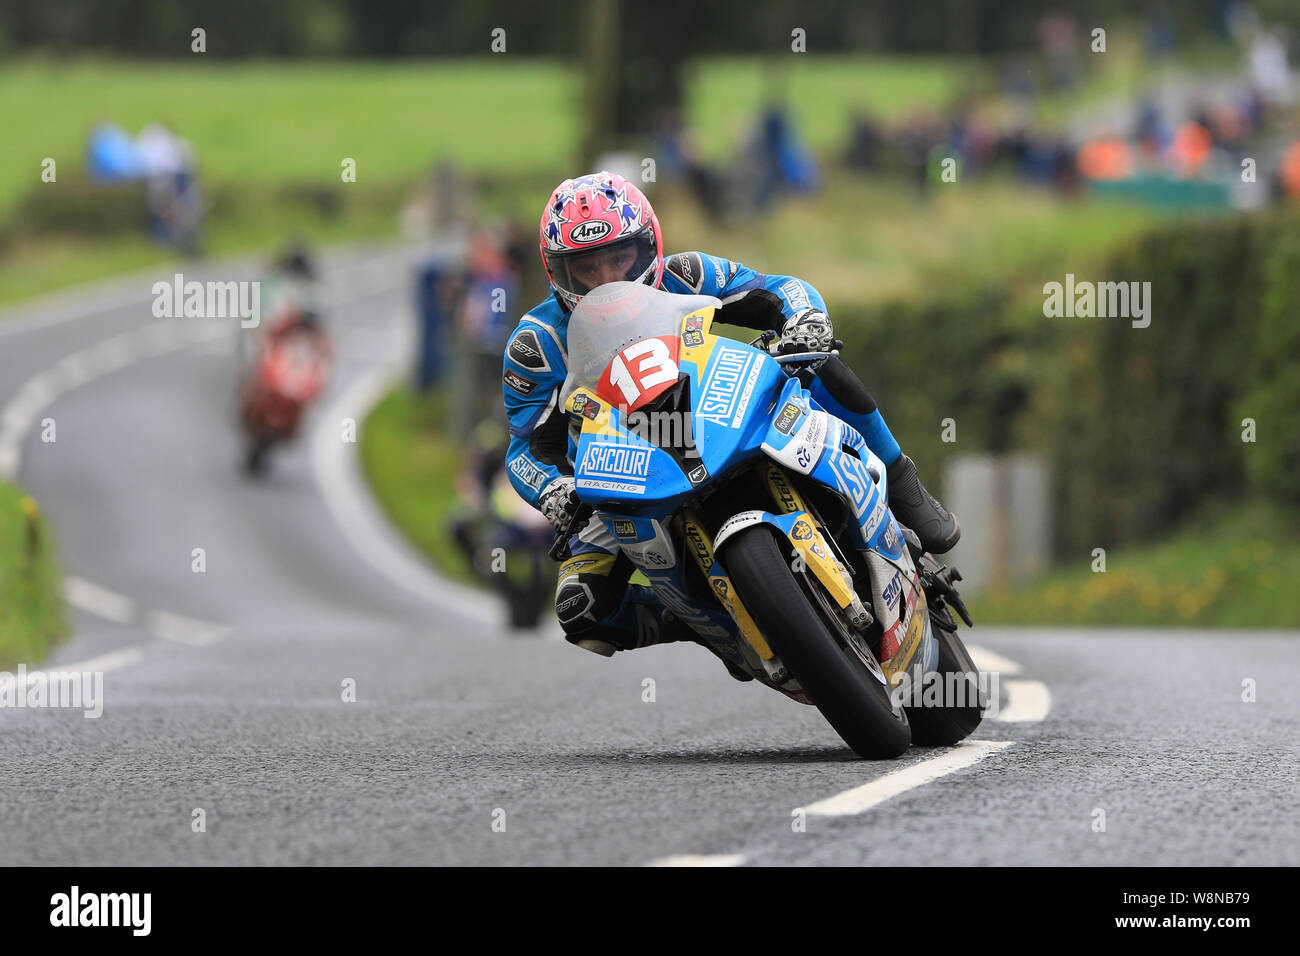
(584, 595)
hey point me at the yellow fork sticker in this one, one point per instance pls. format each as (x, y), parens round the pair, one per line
(811, 546)
(783, 492)
(702, 550)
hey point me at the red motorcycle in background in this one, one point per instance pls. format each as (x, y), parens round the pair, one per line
(290, 371)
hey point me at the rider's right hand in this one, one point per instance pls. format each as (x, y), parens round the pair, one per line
(559, 502)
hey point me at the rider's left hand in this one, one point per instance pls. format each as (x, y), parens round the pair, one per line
(807, 331)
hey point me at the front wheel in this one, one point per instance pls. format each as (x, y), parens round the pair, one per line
(819, 649)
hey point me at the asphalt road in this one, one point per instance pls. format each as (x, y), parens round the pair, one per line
(223, 690)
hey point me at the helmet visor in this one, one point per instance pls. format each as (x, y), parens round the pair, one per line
(628, 260)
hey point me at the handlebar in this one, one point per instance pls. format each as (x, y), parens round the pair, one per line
(561, 543)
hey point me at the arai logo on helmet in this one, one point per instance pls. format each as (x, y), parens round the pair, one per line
(592, 231)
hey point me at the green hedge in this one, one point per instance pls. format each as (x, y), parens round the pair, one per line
(1141, 425)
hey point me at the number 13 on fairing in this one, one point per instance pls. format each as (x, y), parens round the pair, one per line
(641, 372)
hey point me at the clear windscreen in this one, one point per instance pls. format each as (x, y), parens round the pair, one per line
(616, 315)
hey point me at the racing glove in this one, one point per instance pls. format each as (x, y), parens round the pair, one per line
(560, 502)
(807, 331)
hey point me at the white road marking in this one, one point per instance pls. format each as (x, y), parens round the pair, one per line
(85, 365)
(988, 660)
(98, 601)
(863, 798)
(689, 859)
(120, 609)
(1027, 700)
(73, 371)
(184, 630)
(103, 663)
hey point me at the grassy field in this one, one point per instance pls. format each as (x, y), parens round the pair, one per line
(260, 123)
(1231, 569)
(861, 240)
(726, 93)
(31, 606)
(263, 130)
(272, 123)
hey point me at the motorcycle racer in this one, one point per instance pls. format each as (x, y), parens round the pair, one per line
(600, 228)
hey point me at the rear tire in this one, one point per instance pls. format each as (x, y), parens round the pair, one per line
(849, 696)
(945, 725)
(255, 458)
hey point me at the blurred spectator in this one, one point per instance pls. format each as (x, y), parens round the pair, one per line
(1056, 38)
(1189, 149)
(111, 155)
(167, 162)
(677, 158)
(1289, 171)
(863, 152)
(1269, 70)
(485, 316)
(1158, 34)
(504, 538)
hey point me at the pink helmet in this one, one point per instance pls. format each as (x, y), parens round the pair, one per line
(595, 229)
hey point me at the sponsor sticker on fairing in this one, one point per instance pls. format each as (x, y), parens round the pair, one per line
(729, 386)
(789, 415)
(891, 540)
(892, 591)
(624, 528)
(527, 472)
(614, 467)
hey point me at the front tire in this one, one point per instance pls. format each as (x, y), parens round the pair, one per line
(815, 648)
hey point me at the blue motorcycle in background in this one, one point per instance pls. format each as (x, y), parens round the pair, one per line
(761, 520)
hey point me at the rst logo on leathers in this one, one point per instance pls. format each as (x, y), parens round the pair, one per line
(689, 267)
(526, 351)
(592, 231)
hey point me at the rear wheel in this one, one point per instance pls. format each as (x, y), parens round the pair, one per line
(951, 709)
(255, 456)
(805, 629)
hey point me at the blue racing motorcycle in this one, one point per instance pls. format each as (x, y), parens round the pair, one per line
(761, 520)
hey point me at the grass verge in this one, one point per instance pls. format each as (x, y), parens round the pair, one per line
(31, 607)
(1234, 568)
(411, 466)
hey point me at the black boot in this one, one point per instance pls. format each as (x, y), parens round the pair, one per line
(918, 509)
